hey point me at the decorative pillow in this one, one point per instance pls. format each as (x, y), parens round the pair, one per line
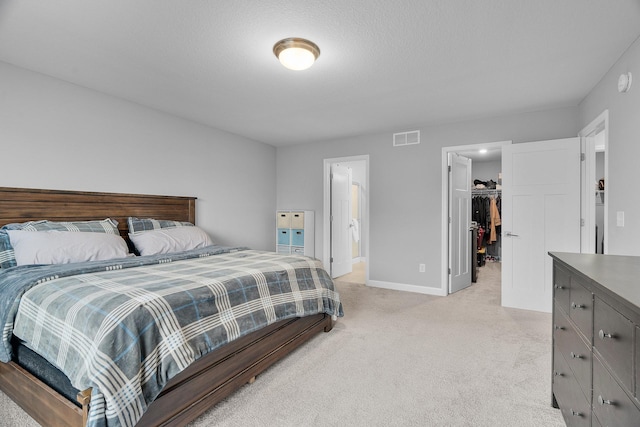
(7, 256)
(108, 226)
(62, 247)
(167, 240)
(137, 225)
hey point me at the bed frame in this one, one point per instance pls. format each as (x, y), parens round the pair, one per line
(203, 384)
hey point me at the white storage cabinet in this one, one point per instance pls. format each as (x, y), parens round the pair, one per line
(295, 232)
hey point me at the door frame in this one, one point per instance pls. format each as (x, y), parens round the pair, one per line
(326, 225)
(587, 203)
(444, 279)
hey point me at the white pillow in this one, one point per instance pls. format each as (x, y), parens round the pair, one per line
(62, 247)
(166, 240)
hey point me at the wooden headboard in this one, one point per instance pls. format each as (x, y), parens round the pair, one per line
(26, 204)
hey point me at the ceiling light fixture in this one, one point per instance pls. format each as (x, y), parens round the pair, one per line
(296, 53)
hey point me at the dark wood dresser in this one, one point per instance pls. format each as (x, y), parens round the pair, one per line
(596, 339)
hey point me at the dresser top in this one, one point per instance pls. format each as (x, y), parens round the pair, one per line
(620, 274)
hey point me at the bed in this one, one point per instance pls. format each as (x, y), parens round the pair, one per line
(189, 391)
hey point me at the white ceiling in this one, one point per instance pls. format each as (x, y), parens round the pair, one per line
(384, 65)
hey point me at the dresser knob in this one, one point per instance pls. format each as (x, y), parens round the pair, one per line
(558, 374)
(559, 287)
(558, 328)
(604, 402)
(575, 413)
(574, 305)
(604, 335)
(575, 356)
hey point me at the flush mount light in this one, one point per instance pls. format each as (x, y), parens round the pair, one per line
(296, 53)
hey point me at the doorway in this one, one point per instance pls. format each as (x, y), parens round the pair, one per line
(485, 167)
(541, 205)
(356, 221)
(594, 139)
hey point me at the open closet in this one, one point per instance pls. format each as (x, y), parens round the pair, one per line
(486, 211)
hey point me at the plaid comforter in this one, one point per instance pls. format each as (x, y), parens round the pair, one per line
(125, 327)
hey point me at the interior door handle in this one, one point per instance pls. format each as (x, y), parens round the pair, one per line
(510, 234)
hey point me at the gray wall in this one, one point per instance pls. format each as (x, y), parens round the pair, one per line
(61, 136)
(623, 151)
(405, 185)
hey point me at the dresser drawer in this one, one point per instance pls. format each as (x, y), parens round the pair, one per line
(611, 405)
(573, 404)
(561, 287)
(577, 356)
(561, 325)
(637, 394)
(613, 339)
(581, 308)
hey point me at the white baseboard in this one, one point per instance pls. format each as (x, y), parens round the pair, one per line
(358, 260)
(407, 288)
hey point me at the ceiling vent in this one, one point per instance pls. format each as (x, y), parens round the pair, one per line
(406, 138)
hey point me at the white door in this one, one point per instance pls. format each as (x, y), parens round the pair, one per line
(460, 223)
(340, 220)
(540, 213)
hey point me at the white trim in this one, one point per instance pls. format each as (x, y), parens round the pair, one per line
(326, 227)
(444, 229)
(407, 288)
(600, 123)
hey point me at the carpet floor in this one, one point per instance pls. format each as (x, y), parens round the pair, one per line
(402, 359)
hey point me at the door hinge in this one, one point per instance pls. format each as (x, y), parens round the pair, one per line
(581, 222)
(449, 168)
(583, 157)
(449, 271)
(331, 259)
(449, 220)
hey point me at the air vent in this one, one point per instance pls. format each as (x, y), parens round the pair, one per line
(406, 138)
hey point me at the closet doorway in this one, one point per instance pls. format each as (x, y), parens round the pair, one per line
(594, 145)
(474, 231)
(356, 223)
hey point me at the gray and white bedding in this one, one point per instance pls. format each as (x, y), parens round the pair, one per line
(127, 326)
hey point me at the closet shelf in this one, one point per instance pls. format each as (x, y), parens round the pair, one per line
(487, 191)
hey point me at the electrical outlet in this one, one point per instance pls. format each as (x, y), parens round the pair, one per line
(421, 268)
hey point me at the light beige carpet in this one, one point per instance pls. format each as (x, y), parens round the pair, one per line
(403, 359)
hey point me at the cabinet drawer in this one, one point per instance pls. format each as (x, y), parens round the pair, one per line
(574, 405)
(577, 356)
(284, 236)
(637, 394)
(284, 220)
(581, 308)
(561, 287)
(297, 219)
(613, 339)
(297, 237)
(561, 325)
(297, 250)
(611, 405)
